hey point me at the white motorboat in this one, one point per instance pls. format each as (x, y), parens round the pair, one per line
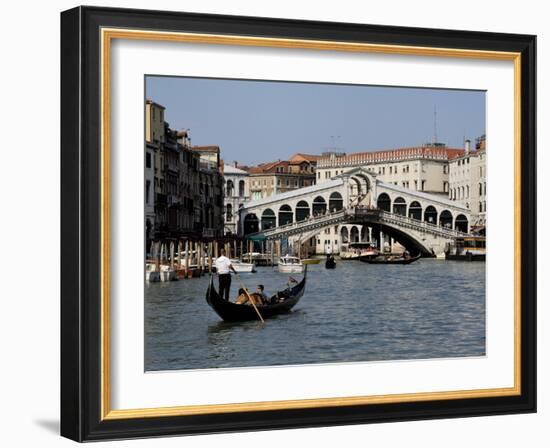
(357, 250)
(242, 267)
(167, 273)
(151, 273)
(290, 265)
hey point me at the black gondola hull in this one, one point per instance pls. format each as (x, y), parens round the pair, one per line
(384, 261)
(231, 312)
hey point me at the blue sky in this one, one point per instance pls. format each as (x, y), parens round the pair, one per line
(258, 121)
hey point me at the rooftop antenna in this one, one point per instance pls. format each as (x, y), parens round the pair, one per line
(435, 125)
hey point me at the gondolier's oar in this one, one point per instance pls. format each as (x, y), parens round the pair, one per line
(249, 298)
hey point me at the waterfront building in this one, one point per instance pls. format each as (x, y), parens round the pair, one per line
(281, 176)
(209, 204)
(237, 192)
(183, 184)
(468, 181)
(154, 138)
(422, 168)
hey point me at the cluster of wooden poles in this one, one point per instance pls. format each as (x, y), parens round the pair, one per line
(192, 258)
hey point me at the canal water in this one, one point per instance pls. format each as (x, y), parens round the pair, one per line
(356, 312)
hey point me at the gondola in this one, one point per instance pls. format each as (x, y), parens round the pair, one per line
(384, 260)
(231, 312)
(330, 263)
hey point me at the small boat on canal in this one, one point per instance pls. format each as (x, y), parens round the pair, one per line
(471, 248)
(389, 259)
(355, 251)
(241, 266)
(280, 303)
(311, 261)
(290, 265)
(330, 263)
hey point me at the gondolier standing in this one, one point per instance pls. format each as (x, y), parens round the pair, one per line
(223, 266)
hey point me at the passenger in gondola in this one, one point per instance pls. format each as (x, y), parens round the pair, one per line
(260, 293)
(244, 298)
(406, 255)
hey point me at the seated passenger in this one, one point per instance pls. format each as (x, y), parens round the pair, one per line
(244, 299)
(260, 293)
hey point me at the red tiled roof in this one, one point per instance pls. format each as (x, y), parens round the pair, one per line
(398, 153)
(300, 157)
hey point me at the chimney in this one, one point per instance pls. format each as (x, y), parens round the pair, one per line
(467, 145)
(235, 164)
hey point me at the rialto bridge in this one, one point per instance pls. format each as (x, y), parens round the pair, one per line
(419, 221)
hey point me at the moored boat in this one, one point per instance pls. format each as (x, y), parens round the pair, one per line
(283, 300)
(472, 248)
(290, 265)
(330, 263)
(311, 261)
(243, 267)
(389, 259)
(357, 250)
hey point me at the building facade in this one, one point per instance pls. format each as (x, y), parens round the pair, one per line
(424, 168)
(468, 181)
(183, 184)
(154, 139)
(237, 192)
(277, 177)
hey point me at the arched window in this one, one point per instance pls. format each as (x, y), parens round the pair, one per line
(384, 202)
(269, 220)
(319, 206)
(430, 214)
(285, 215)
(251, 224)
(344, 235)
(354, 235)
(302, 211)
(335, 202)
(446, 219)
(400, 206)
(229, 213)
(461, 223)
(415, 211)
(241, 188)
(229, 188)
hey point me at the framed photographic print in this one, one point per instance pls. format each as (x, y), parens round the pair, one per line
(273, 223)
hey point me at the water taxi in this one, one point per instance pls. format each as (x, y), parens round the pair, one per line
(242, 267)
(469, 248)
(290, 265)
(355, 251)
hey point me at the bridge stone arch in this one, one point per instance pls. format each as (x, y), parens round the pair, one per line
(415, 210)
(251, 223)
(412, 243)
(461, 223)
(268, 220)
(336, 201)
(399, 206)
(383, 202)
(430, 214)
(302, 211)
(286, 215)
(344, 234)
(446, 219)
(319, 206)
